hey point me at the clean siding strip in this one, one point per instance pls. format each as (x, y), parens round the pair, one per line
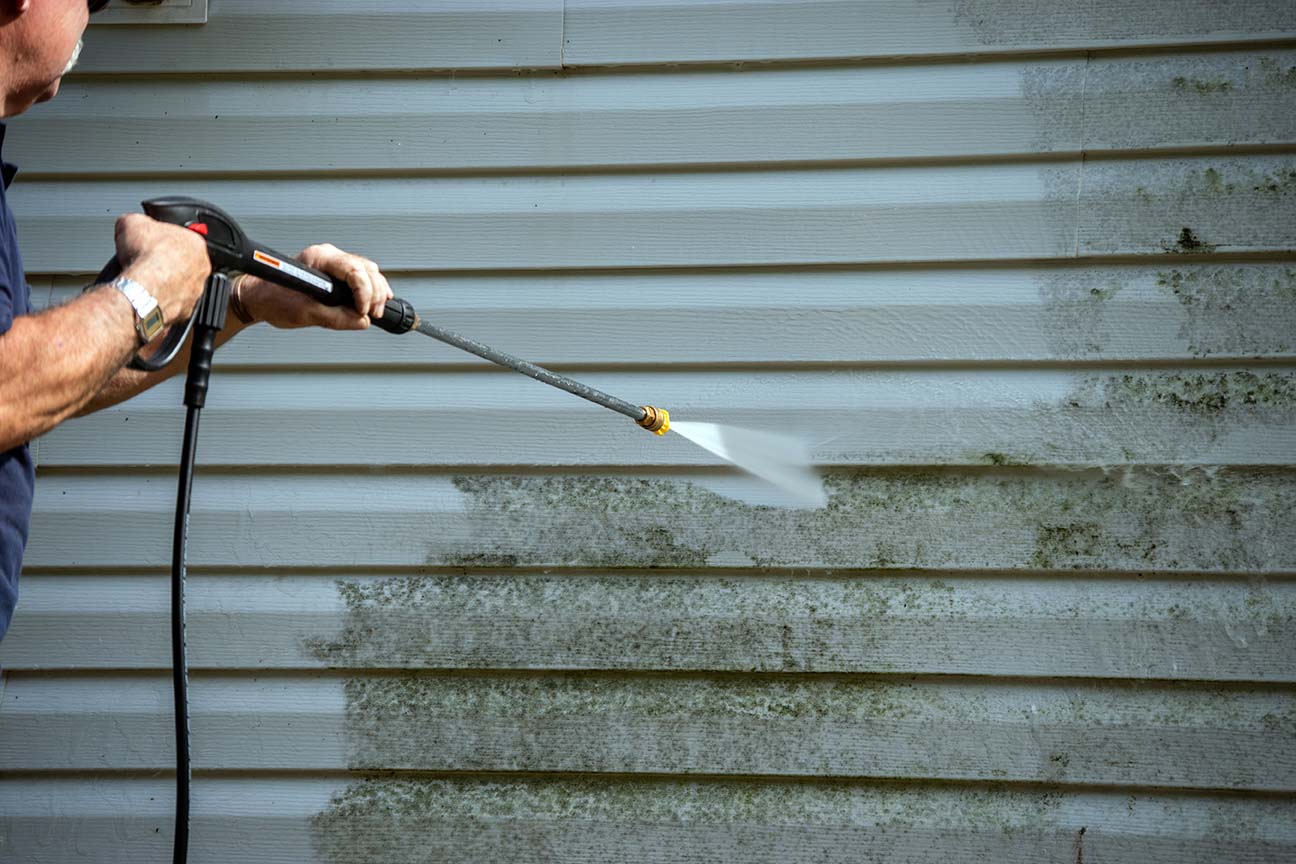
(712, 218)
(785, 217)
(336, 35)
(327, 35)
(541, 121)
(920, 730)
(668, 821)
(1043, 626)
(1218, 416)
(1169, 311)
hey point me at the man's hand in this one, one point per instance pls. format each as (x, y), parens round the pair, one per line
(170, 262)
(283, 307)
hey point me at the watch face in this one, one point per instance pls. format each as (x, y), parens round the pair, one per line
(151, 324)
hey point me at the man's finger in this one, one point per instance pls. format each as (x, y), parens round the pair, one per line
(382, 291)
(361, 287)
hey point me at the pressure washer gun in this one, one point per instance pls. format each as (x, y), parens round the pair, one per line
(231, 250)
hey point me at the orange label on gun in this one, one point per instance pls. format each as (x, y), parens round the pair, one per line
(292, 270)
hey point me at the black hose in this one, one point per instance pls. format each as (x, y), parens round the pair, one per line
(179, 666)
(209, 319)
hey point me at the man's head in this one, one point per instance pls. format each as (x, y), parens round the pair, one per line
(39, 41)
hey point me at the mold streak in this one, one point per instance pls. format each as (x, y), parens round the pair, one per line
(1199, 737)
(666, 821)
(1141, 519)
(1041, 626)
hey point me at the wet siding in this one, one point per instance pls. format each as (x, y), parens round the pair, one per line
(1024, 272)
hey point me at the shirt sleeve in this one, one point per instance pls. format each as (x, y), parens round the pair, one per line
(7, 307)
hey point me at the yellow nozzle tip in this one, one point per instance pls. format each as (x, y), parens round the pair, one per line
(655, 420)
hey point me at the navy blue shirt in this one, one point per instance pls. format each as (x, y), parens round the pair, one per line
(17, 473)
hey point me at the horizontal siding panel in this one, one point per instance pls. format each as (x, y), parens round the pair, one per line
(546, 122)
(1172, 100)
(330, 35)
(1170, 311)
(1180, 520)
(334, 35)
(945, 624)
(925, 729)
(661, 118)
(1189, 206)
(682, 31)
(1218, 417)
(776, 217)
(644, 820)
(718, 218)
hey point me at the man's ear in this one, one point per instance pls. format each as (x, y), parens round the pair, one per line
(11, 9)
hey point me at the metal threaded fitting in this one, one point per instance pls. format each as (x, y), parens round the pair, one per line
(655, 420)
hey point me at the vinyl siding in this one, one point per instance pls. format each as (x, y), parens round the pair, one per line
(1023, 273)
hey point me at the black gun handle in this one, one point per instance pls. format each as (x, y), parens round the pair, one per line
(398, 315)
(110, 271)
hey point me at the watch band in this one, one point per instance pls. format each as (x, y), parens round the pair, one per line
(149, 319)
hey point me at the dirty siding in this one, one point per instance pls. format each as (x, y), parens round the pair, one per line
(1024, 272)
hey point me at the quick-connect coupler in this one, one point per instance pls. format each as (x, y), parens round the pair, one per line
(655, 420)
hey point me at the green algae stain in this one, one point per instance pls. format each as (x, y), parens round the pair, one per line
(872, 519)
(612, 724)
(1270, 395)
(1238, 310)
(1076, 543)
(400, 820)
(1275, 182)
(1188, 243)
(1276, 75)
(1201, 87)
(641, 621)
(1231, 205)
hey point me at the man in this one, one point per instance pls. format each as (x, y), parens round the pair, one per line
(69, 360)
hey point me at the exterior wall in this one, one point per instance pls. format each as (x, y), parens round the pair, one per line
(1025, 273)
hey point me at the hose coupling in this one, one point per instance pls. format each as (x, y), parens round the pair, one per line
(655, 420)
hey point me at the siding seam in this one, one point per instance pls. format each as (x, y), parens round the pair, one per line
(1084, 92)
(562, 38)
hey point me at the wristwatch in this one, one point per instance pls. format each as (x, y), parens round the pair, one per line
(148, 314)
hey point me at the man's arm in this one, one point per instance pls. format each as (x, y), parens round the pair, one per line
(279, 307)
(53, 363)
(127, 382)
